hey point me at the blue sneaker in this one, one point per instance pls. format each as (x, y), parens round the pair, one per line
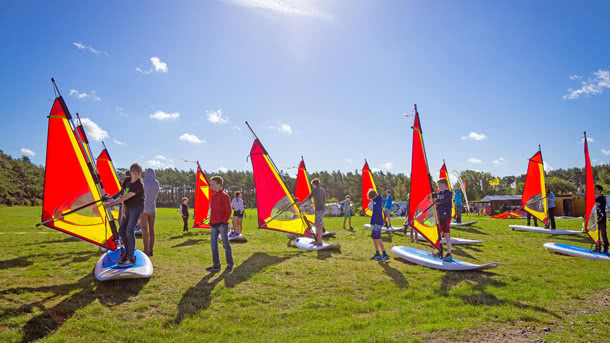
(376, 258)
(385, 258)
(448, 258)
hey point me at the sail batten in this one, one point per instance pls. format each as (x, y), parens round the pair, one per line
(534, 198)
(203, 195)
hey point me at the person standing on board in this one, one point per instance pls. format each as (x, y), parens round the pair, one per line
(319, 198)
(220, 205)
(600, 200)
(133, 206)
(184, 212)
(551, 206)
(387, 209)
(238, 206)
(443, 208)
(458, 198)
(347, 211)
(376, 224)
(147, 219)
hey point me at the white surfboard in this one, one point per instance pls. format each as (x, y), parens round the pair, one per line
(543, 230)
(107, 267)
(325, 234)
(426, 259)
(464, 223)
(455, 240)
(305, 244)
(572, 250)
(238, 238)
(387, 229)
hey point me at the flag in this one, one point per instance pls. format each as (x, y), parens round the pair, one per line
(494, 182)
(481, 184)
(513, 185)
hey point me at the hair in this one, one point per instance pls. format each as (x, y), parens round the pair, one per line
(599, 188)
(238, 193)
(136, 167)
(389, 191)
(371, 194)
(185, 199)
(348, 196)
(443, 181)
(127, 173)
(315, 181)
(217, 179)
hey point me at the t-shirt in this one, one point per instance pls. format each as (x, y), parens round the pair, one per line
(237, 204)
(601, 208)
(458, 198)
(138, 188)
(184, 209)
(551, 200)
(347, 206)
(377, 216)
(319, 198)
(388, 202)
(443, 204)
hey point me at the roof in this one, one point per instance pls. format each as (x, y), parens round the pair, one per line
(501, 197)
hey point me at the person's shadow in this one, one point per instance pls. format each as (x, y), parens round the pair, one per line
(397, 276)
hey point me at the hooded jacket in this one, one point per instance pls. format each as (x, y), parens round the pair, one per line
(151, 190)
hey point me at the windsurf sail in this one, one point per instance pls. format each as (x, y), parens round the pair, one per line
(422, 211)
(203, 194)
(445, 175)
(110, 181)
(462, 186)
(277, 209)
(534, 199)
(72, 200)
(590, 205)
(302, 191)
(367, 184)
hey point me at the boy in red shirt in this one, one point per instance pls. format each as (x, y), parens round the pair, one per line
(220, 205)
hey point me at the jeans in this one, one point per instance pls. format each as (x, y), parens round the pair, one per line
(148, 231)
(458, 213)
(222, 229)
(601, 226)
(127, 227)
(552, 217)
(186, 223)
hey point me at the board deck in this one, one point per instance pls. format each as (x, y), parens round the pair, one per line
(386, 229)
(240, 238)
(576, 251)
(305, 244)
(455, 240)
(106, 270)
(464, 223)
(543, 230)
(426, 259)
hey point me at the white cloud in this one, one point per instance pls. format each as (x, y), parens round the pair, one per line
(498, 161)
(474, 136)
(285, 7)
(119, 110)
(216, 117)
(575, 77)
(235, 127)
(606, 152)
(283, 128)
(160, 157)
(595, 85)
(547, 167)
(223, 169)
(84, 47)
(589, 139)
(475, 160)
(387, 165)
(83, 95)
(374, 170)
(155, 164)
(116, 141)
(93, 130)
(158, 66)
(28, 152)
(187, 137)
(160, 115)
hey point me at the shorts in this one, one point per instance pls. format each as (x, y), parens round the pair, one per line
(319, 218)
(376, 233)
(238, 214)
(387, 212)
(347, 214)
(445, 225)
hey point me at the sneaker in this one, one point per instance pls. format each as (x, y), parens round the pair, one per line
(150, 254)
(385, 258)
(213, 269)
(376, 257)
(122, 260)
(448, 258)
(229, 267)
(437, 255)
(128, 262)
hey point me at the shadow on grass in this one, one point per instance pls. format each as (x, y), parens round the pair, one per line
(386, 237)
(199, 297)
(471, 229)
(397, 276)
(188, 243)
(573, 239)
(17, 262)
(83, 292)
(189, 234)
(28, 260)
(65, 240)
(457, 250)
(326, 254)
(480, 297)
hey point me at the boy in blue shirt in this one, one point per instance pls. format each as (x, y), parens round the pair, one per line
(376, 224)
(459, 208)
(387, 209)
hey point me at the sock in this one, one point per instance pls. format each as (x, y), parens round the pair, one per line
(377, 253)
(384, 253)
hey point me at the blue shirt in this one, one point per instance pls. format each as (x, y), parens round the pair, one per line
(458, 198)
(377, 216)
(551, 199)
(388, 202)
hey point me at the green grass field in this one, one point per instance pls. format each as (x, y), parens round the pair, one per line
(278, 294)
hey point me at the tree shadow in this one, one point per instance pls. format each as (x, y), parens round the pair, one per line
(188, 243)
(65, 240)
(187, 234)
(17, 262)
(26, 261)
(397, 276)
(456, 250)
(387, 238)
(573, 239)
(471, 229)
(326, 254)
(480, 280)
(87, 290)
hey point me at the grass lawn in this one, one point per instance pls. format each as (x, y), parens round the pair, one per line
(278, 294)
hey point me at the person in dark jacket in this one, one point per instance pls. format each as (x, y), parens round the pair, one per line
(600, 199)
(184, 211)
(444, 200)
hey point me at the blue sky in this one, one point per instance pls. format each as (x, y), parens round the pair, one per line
(329, 80)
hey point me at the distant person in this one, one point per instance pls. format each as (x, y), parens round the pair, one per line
(600, 199)
(238, 206)
(387, 209)
(551, 205)
(443, 208)
(133, 205)
(376, 225)
(319, 201)
(184, 212)
(529, 217)
(458, 199)
(347, 211)
(220, 206)
(147, 219)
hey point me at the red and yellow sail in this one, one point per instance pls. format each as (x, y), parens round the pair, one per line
(590, 205)
(534, 199)
(203, 194)
(105, 168)
(422, 214)
(302, 191)
(70, 183)
(276, 206)
(367, 184)
(445, 175)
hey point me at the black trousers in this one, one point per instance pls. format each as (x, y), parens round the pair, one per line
(186, 223)
(552, 217)
(603, 234)
(529, 217)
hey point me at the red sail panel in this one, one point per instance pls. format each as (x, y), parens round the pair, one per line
(445, 175)
(367, 184)
(203, 194)
(534, 198)
(425, 222)
(105, 168)
(69, 184)
(275, 205)
(302, 191)
(590, 205)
